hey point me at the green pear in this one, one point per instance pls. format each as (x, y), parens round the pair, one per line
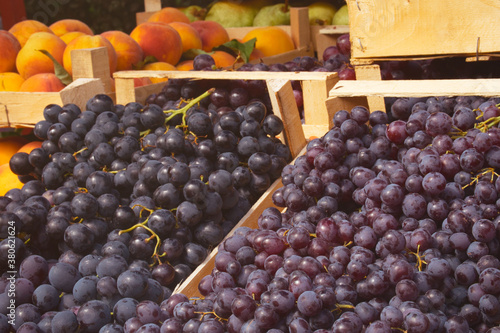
(272, 15)
(194, 13)
(230, 14)
(321, 13)
(341, 16)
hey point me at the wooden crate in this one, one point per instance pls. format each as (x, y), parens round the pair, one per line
(25, 109)
(315, 86)
(402, 30)
(347, 94)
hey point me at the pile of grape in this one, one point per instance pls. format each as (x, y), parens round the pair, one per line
(388, 227)
(122, 202)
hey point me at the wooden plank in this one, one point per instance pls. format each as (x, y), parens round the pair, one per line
(315, 93)
(299, 21)
(284, 106)
(371, 72)
(80, 91)
(125, 91)
(92, 63)
(285, 57)
(393, 28)
(222, 75)
(417, 88)
(190, 286)
(152, 5)
(142, 17)
(335, 104)
(26, 108)
(142, 93)
(314, 131)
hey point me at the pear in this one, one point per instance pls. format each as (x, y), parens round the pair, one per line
(341, 16)
(194, 13)
(272, 15)
(230, 14)
(321, 13)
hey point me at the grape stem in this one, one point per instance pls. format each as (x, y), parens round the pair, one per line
(482, 172)
(154, 235)
(420, 258)
(185, 108)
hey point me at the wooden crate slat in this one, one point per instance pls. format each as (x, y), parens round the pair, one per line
(92, 63)
(223, 75)
(393, 28)
(26, 108)
(284, 106)
(417, 88)
(189, 287)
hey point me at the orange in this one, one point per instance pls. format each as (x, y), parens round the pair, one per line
(185, 65)
(8, 179)
(223, 59)
(27, 148)
(9, 146)
(271, 40)
(10, 81)
(159, 66)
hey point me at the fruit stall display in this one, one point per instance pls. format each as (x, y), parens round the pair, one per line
(387, 222)
(324, 22)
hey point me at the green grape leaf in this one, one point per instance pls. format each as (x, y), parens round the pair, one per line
(238, 48)
(59, 70)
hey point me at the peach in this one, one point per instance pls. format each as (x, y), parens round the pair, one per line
(190, 37)
(88, 42)
(69, 36)
(10, 48)
(31, 61)
(212, 34)
(159, 40)
(61, 27)
(168, 15)
(128, 51)
(43, 82)
(159, 66)
(223, 59)
(186, 65)
(10, 81)
(271, 40)
(24, 29)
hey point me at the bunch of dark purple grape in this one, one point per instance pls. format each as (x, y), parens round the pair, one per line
(381, 233)
(121, 203)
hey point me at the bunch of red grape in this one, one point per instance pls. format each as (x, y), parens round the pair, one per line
(388, 227)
